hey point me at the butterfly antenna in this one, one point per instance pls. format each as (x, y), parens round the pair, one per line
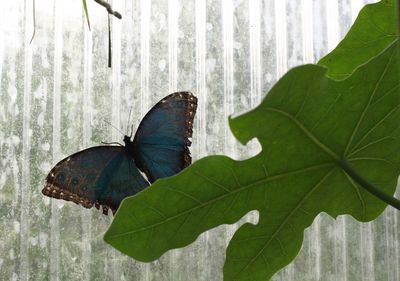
(113, 126)
(129, 119)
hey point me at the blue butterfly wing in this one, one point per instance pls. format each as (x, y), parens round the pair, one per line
(100, 176)
(162, 139)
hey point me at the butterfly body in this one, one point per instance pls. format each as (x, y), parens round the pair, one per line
(105, 175)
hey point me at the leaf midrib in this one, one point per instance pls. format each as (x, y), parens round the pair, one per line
(306, 132)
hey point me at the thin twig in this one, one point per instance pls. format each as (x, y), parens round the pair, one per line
(34, 21)
(109, 9)
(109, 43)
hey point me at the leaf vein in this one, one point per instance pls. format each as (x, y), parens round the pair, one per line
(385, 94)
(332, 105)
(358, 193)
(376, 125)
(265, 259)
(235, 177)
(281, 246)
(155, 210)
(371, 143)
(184, 194)
(306, 132)
(373, 159)
(183, 222)
(213, 182)
(265, 170)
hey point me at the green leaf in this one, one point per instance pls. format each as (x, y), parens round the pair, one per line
(86, 12)
(308, 125)
(373, 31)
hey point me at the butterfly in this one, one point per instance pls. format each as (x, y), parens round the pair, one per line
(104, 175)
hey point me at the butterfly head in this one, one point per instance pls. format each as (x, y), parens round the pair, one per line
(127, 140)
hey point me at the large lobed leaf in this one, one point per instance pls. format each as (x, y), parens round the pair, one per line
(375, 29)
(306, 125)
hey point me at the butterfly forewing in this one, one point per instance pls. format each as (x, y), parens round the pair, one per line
(163, 137)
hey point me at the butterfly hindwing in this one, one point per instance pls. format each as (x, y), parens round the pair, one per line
(162, 139)
(100, 175)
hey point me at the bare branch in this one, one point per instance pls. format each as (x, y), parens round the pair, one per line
(109, 9)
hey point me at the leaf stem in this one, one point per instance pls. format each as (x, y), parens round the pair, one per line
(392, 201)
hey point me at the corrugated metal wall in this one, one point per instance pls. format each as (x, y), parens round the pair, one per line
(57, 92)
